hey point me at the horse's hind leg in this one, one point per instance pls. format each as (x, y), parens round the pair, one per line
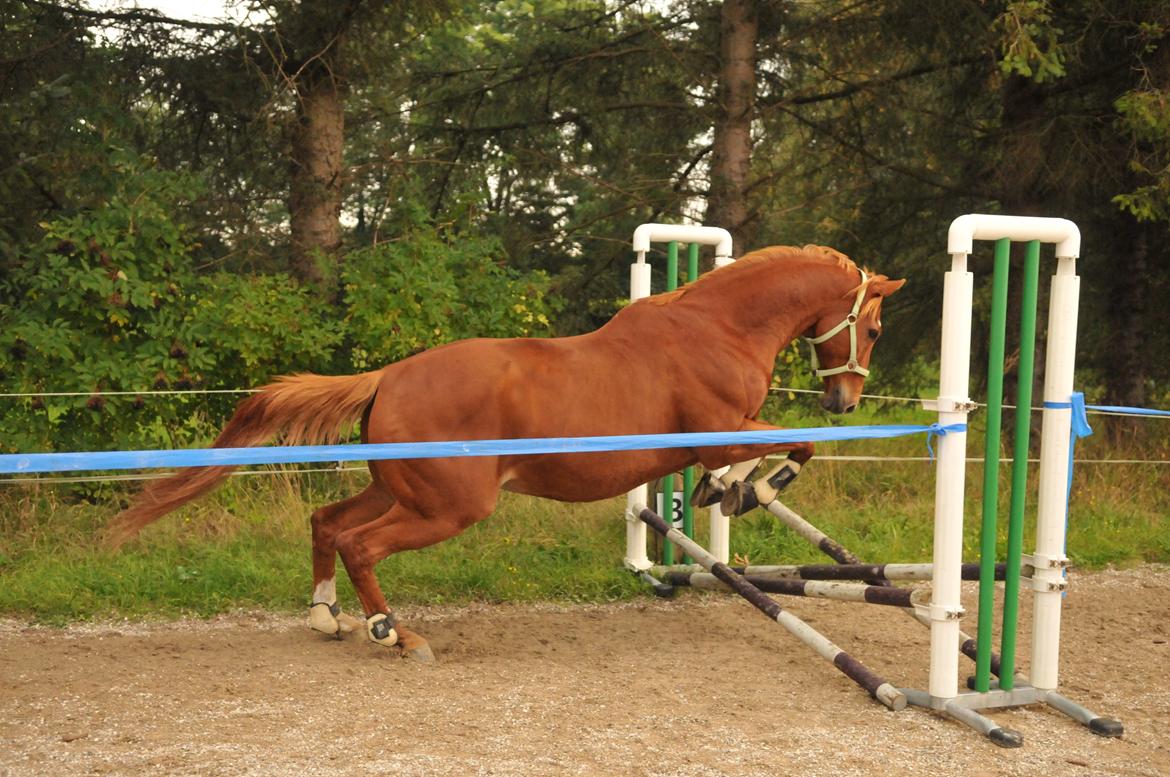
(328, 522)
(401, 528)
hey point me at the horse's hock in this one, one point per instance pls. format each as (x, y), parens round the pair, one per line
(996, 683)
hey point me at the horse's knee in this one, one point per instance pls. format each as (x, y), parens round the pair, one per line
(321, 523)
(319, 519)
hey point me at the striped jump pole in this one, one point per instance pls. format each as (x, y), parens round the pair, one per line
(878, 688)
(882, 572)
(825, 543)
(890, 596)
(918, 611)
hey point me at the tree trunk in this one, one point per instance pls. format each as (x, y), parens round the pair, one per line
(314, 201)
(731, 163)
(1125, 362)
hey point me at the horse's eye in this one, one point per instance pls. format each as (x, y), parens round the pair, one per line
(873, 334)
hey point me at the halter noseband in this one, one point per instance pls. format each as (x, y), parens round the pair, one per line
(851, 322)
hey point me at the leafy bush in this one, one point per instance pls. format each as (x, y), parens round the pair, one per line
(110, 298)
(429, 288)
(101, 302)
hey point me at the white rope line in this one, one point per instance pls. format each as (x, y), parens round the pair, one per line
(182, 392)
(152, 392)
(920, 400)
(915, 400)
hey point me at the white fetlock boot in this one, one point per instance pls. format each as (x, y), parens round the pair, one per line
(769, 487)
(380, 629)
(323, 617)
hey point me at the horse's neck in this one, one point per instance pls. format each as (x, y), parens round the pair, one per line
(769, 304)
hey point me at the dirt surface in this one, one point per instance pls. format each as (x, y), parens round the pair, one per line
(703, 685)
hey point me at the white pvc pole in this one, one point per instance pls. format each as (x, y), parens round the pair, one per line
(684, 233)
(953, 403)
(720, 529)
(639, 281)
(636, 558)
(644, 235)
(720, 523)
(1051, 511)
(981, 226)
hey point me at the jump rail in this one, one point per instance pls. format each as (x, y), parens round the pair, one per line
(878, 688)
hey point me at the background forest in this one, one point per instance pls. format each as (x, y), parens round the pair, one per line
(331, 186)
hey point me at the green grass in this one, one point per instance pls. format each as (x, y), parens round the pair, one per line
(248, 545)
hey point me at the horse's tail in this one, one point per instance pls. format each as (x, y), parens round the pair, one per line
(306, 408)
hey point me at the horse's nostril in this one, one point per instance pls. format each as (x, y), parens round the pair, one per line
(851, 408)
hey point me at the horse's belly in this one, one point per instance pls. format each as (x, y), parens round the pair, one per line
(586, 477)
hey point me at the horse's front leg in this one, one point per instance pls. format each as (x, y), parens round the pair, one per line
(743, 495)
(733, 490)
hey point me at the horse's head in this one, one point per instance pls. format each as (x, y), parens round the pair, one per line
(843, 338)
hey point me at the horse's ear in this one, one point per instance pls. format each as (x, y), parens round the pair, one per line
(884, 287)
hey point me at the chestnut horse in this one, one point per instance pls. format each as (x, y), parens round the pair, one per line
(722, 335)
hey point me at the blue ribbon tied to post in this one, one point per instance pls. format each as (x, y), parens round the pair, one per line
(1079, 427)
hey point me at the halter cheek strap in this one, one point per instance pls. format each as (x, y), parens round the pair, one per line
(849, 321)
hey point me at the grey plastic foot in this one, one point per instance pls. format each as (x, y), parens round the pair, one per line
(661, 590)
(1106, 727)
(1006, 737)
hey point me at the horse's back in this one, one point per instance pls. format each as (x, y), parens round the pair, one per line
(524, 388)
(500, 388)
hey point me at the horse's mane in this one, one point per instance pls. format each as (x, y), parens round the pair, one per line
(809, 253)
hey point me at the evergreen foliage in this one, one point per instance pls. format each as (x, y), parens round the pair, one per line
(495, 158)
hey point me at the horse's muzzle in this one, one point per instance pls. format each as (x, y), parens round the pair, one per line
(835, 401)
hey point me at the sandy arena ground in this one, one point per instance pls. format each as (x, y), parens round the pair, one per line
(702, 685)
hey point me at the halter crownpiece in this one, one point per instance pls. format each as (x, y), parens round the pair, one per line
(849, 321)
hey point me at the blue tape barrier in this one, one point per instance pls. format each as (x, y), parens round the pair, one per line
(28, 463)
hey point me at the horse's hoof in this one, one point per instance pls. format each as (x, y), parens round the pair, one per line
(347, 623)
(414, 646)
(323, 618)
(738, 498)
(423, 654)
(380, 629)
(705, 492)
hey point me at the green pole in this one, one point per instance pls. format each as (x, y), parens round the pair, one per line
(688, 512)
(1015, 544)
(987, 536)
(668, 481)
